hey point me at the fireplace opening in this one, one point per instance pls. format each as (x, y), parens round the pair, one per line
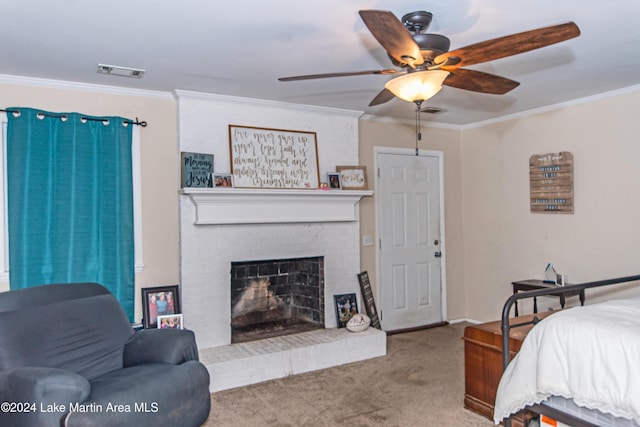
(276, 297)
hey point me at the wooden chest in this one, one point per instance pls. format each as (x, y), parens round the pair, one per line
(483, 364)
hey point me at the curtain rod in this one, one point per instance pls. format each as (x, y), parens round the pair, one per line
(130, 122)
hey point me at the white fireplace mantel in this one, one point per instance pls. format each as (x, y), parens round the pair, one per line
(259, 206)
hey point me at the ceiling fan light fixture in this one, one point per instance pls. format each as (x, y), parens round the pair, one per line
(417, 86)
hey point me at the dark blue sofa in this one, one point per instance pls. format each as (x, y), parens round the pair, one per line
(68, 356)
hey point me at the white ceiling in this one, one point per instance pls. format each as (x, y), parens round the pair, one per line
(241, 47)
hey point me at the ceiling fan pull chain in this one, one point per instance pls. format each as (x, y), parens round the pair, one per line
(418, 132)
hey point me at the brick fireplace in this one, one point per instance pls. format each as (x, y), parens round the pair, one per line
(222, 226)
(276, 297)
(211, 244)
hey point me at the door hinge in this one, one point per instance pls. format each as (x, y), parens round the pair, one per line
(378, 172)
(381, 316)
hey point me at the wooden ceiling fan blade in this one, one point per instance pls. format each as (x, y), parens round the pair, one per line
(392, 36)
(384, 96)
(513, 44)
(344, 74)
(478, 81)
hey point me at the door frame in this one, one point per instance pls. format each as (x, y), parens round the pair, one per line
(443, 260)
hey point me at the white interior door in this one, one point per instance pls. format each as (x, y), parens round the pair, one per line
(410, 247)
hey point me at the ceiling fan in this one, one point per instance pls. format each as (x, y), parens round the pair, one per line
(427, 56)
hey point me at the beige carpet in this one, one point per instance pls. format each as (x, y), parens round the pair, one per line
(419, 383)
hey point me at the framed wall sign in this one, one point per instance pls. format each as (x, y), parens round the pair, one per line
(551, 182)
(273, 158)
(196, 169)
(353, 177)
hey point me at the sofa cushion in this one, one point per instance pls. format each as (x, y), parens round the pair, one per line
(19, 299)
(176, 395)
(84, 335)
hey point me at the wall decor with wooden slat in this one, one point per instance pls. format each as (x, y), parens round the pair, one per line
(551, 182)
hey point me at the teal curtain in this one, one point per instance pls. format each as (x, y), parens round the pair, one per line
(70, 201)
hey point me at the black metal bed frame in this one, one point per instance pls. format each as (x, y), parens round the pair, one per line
(506, 328)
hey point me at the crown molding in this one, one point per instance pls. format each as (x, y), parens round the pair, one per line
(548, 108)
(228, 99)
(70, 85)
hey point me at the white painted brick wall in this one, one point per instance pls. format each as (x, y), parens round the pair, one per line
(208, 250)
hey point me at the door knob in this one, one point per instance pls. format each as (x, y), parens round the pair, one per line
(438, 254)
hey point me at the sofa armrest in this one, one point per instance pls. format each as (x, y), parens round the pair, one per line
(33, 384)
(38, 394)
(170, 346)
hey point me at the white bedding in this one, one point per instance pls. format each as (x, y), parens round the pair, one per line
(589, 354)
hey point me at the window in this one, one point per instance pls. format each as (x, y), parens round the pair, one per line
(4, 243)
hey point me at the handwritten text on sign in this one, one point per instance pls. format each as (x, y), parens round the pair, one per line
(273, 158)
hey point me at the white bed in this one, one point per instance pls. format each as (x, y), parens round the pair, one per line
(590, 355)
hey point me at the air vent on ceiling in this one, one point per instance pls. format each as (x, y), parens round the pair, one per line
(432, 110)
(116, 70)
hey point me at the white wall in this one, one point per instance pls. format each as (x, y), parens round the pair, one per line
(504, 241)
(208, 250)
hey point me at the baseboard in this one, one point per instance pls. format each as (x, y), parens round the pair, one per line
(417, 328)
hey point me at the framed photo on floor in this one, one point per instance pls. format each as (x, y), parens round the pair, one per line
(159, 301)
(170, 321)
(346, 306)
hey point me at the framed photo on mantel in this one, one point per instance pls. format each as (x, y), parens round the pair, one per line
(353, 177)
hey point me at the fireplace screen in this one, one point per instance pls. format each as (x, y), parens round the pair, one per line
(276, 297)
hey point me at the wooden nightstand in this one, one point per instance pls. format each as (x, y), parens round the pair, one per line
(533, 284)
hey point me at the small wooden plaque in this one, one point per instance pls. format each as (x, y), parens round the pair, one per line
(367, 297)
(551, 182)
